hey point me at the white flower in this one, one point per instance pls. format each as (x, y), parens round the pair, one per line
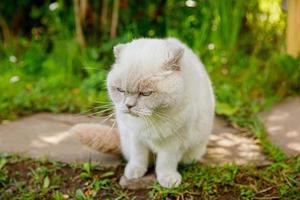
(14, 79)
(224, 60)
(13, 59)
(190, 3)
(53, 6)
(263, 17)
(211, 46)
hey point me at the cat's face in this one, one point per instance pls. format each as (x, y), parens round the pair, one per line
(142, 88)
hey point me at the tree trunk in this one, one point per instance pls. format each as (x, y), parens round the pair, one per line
(5, 31)
(293, 28)
(103, 19)
(83, 8)
(78, 6)
(114, 19)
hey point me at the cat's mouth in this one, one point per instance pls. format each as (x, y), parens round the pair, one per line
(136, 114)
(129, 112)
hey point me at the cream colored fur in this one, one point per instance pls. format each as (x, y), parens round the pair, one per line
(164, 105)
(99, 137)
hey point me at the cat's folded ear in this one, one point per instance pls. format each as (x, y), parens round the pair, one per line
(118, 49)
(174, 55)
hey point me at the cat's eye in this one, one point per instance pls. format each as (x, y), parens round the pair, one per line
(120, 90)
(146, 93)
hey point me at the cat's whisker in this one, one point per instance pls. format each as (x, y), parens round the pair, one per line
(84, 114)
(111, 128)
(108, 117)
(157, 129)
(91, 68)
(147, 123)
(99, 103)
(159, 132)
(94, 114)
(91, 109)
(103, 110)
(152, 126)
(104, 102)
(90, 112)
(161, 135)
(103, 107)
(100, 110)
(166, 119)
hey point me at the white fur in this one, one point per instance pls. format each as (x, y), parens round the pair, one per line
(175, 121)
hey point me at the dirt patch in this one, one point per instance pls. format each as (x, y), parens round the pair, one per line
(26, 178)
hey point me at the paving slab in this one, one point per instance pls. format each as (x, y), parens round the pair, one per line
(45, 135)
(230, 145)
(282, 123)
(138, 183)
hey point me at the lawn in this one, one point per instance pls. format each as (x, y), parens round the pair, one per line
(22, 178)
(45, 69)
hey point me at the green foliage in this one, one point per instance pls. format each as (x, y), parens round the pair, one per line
(30, 179)
(241, 44)
(86, 168)
(3, 173)
(234, 182)
(49, 71)
(247, 192)
(57, 196)
(79, 195)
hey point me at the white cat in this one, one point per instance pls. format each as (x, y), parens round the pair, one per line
(164, 104)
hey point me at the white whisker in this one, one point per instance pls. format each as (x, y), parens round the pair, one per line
(108, 117)
(167, 120)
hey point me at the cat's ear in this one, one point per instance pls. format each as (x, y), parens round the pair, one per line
(175, 53)
(118, 49)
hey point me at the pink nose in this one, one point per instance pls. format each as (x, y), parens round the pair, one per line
(129, 106)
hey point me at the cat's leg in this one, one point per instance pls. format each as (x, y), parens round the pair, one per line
(138, 160)
(194, 153)
(125, 143)
(166, 168)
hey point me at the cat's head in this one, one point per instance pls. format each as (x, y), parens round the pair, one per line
(146, 77)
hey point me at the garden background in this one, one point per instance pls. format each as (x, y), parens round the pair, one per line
(54, 56)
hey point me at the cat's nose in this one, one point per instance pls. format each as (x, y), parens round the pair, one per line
(129, 106)
(130, 101)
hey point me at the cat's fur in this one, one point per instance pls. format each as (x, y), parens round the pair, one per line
(164, 104)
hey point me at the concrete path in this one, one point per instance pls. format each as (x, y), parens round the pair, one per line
(45, 134)
(229, 145)
(282, 123)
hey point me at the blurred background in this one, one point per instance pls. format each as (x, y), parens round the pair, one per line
(54, 55)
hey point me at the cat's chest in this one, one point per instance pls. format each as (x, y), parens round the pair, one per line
(145, 127)
(160, 144)
(157, 140)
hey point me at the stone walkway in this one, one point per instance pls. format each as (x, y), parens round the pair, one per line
(45, 135)
(282, 123)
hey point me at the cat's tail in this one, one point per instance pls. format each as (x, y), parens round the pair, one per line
(102, 138)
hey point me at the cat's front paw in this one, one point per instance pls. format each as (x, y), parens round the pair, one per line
(169, 179)
(133, 171)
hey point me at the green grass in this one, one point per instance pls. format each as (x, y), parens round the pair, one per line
(246, 61)
(72, 81)
(244, 86)
(22, 178)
